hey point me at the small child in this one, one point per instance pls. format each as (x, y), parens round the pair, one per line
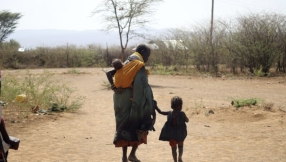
(175, 129)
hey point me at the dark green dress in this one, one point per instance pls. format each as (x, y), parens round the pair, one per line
(134, 109)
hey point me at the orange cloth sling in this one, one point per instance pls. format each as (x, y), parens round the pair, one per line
(124, 77)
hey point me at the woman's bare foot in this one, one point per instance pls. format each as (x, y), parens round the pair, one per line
(133, 158)
(124, 160)
(180, 159)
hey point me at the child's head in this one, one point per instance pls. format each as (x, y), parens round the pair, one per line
(117, 64)
(177, 103)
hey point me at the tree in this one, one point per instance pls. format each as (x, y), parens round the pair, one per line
(258, 40)
(8, 22)
(126, 16)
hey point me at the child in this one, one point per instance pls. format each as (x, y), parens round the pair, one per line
(175, 129)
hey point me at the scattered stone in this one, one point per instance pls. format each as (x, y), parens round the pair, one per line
(2, 103)
(257, 115)
(35, 109)
(211, 112)
(42, 111)
(57, 107)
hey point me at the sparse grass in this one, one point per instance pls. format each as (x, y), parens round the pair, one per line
(260, 73)
(40, 90)
(282, 107)
(106, 85)
(199, 105)
(268, 106)
(207, 113)
(160, 69)
(73, 71)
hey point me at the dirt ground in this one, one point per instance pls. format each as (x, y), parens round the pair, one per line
(245, 134)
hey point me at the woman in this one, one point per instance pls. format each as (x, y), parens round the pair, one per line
(133, 103)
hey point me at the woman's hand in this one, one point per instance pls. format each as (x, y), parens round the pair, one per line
(117, 90)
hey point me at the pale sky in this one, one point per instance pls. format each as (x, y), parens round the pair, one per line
(75, 14)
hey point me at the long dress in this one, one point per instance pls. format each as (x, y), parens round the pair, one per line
(134, 112)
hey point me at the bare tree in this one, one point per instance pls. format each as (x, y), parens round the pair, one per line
(126, 16)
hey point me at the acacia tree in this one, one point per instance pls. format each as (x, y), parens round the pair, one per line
(126, 16)
(281, 58)
(8, 22)
(257, 38)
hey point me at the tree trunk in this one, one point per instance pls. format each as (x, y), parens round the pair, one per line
(122, 54)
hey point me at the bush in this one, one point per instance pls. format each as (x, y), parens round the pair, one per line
(38, 90)
(245, 102)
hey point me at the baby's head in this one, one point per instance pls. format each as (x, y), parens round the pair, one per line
(176, 103)
(117, 64)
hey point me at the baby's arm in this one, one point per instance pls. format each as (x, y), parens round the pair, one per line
(109, 76)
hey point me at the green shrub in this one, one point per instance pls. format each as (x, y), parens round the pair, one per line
(40, 90)
(259, 72)
(245, 102)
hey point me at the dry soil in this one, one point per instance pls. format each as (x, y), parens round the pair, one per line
(247, 134)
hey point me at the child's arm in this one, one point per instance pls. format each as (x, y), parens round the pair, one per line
(186, 118)
(159, 111)
(109, 76)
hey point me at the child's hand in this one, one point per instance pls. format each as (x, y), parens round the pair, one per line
(155, 103)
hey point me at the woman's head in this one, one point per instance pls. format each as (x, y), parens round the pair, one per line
(176, 103)
(144, 51)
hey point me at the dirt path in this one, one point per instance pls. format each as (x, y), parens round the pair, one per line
(246, 134)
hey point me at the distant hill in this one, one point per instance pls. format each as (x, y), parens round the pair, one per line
(52, 38)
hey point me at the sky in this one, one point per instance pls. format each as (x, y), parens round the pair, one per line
(76, 14)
